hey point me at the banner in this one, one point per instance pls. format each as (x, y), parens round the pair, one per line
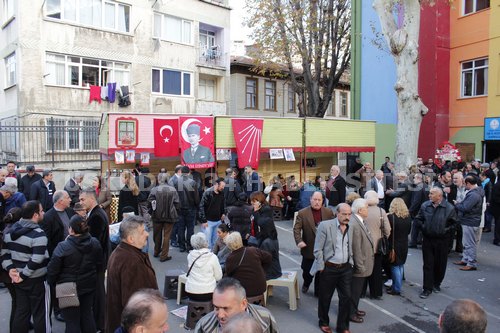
(248, 136)
(197, 143)
(145, 159)
(119, 157)
(166, 135)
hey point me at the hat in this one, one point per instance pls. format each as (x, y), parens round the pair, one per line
(485, 165)
(46, 172)
(78, 207)
(193, 129)
(30, 168)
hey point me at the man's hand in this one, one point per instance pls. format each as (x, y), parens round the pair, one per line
(289, 198)
(301, 245)
(14, 276)
(446, 190)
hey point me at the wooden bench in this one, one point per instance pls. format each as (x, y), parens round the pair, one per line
(289, 280)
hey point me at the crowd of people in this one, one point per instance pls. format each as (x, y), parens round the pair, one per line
(353, 233)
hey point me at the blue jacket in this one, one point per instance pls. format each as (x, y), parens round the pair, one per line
(470, 209)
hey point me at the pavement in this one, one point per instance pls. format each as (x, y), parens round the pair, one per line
(393, 314)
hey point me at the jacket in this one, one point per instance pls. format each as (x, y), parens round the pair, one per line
(304, 229)
(77, 259)
(399, 237)
(40, 192)
(15, 200)
(251, 271)
(272, 246)
(127, 198)
(104, 199)
(99, 228)
(187, 189)
(231, 191)
(73, 190)
(25, 249)
(335, 190)
(165, 201)
(470, 209)
(324, 244)
(436, 222)
(210, 324)
(145, 185)
(252, 183)
(212, 205)
(26, 182)
(263, 224)
(129, 270)
(362, 248)
(376, 216)
(239, 217)
(54, 228)
(205, 273)
(495, 199)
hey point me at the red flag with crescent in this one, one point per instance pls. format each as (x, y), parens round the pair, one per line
(248, 137)
(197, 142)
(166, 134)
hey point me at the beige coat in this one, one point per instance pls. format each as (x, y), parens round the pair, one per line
(362, 248)
(373, 223)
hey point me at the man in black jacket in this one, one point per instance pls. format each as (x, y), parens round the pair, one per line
(436, 219)
(335, 188)
(212, 209)
(43, 190)
(74, 187)
(232, 189)
(28, 179)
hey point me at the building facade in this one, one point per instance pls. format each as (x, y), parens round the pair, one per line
(66, 62)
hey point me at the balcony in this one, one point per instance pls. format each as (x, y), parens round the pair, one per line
(211, 56)
(210, 108)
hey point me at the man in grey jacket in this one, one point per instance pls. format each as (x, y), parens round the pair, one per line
(333, 259)
(25, 257)
(470, 211)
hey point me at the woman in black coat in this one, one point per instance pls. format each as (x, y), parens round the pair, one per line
(77, 259)
(239, 216)
(400, 221)
(128, 194)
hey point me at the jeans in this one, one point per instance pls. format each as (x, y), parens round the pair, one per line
(145, 249)
(186, 228)
(211, 232)
(397, 277)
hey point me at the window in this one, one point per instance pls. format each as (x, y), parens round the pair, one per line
(207, 39)
(291, 99)
(127, 132)
(171, 82)
(95, 13)
(206, 89)
(66, 70)
(251, 92)
(8, 10)
(472, 6)
(10, 70)
(172, 29)
(72, 135)
(270, 96)
(475, 78)
(343, 104)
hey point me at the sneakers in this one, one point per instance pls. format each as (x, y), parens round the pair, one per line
(425, 293)
(436, 289)
(388, 283)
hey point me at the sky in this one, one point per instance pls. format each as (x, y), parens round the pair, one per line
(238, 31)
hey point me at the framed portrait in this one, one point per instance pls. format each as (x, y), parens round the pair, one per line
(130, 156)
(126, 132)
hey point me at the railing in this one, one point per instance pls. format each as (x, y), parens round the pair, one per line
(50, 141)
(211, 56)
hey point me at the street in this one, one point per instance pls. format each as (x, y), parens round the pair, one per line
(393, 314)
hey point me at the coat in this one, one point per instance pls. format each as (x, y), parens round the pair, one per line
(40, 192)
(27, 181)
(373, 222)
(104, 199)
(239, 217)
(129, 270)
(304, 229)
(399, 237)
(77, 259)
(335, 190)
(126, 198)
(166, 202)
(362, 248)
(205, 273)
(54, 228)
(73, 190)
(99, 228)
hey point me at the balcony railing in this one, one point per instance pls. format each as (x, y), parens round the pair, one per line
(211, 56)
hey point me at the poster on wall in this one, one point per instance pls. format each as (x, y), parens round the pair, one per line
(248, 137)
(289, 155)
(119, 157)
(223, 154)
(197, 141)
(276, 154)
(166, 134)
(130, 156)
(144, 159)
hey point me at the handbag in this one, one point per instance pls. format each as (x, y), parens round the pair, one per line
(392, 253)
(383, 244)
(67, 295)
(190, 268)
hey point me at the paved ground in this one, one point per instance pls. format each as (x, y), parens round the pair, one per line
(393, 314)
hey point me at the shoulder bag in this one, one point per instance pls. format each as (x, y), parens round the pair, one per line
(191, 267)
(392, 253)
(383, 244)
(67, 293)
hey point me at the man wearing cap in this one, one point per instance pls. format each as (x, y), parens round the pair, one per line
(196, 153)
(28, 179)
(43, 190)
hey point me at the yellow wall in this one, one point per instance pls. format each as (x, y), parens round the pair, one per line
(494, 63)
(468, 40)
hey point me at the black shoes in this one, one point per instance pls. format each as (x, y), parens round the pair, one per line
(305, 289)
(59, 317)
(436, 289)
(393, 293)
(425, 293)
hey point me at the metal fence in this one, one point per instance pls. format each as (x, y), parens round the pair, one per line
(50, 141)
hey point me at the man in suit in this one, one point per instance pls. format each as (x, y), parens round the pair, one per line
(377, 184)
(196, 153)
(252, 181)
(335, 188)
(55, 223)
(97, 220)
(363, 255)
(333, 260)
(44, 190)
(74, 187)
(304, 232)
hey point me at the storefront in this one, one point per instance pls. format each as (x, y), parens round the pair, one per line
(491, 143)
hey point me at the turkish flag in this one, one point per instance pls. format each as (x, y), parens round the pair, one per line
(166, 134)
(197, 142)
(248, 137)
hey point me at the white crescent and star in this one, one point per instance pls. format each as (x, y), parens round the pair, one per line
(166, 139)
